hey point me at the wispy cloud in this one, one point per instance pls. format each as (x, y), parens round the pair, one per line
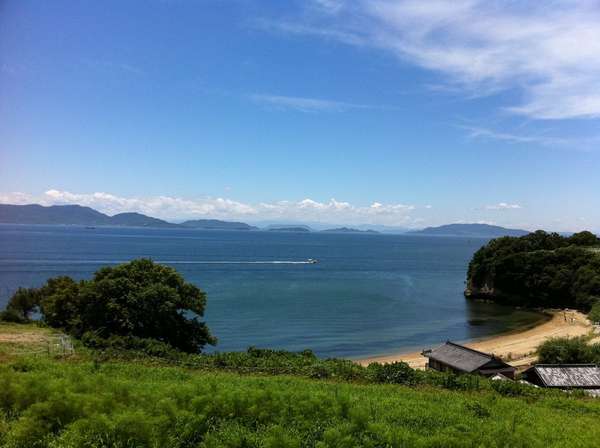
(480, 132)
(503, 206)
(169, 207)
(294, 27)
(305, 104)
(572, 143)
(551, 53)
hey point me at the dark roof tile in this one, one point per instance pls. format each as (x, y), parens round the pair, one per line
(460, 357)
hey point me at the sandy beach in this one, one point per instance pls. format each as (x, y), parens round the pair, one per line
(518, 348)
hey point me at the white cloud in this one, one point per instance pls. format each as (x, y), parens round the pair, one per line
(489, 223)
(550, 52)
(305, 104)
(15, 197)
(503, 206)
(174, 208)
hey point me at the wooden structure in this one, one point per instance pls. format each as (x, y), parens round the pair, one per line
(460, 359)
(564, 376)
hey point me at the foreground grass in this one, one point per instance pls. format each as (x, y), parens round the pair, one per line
(50, 403)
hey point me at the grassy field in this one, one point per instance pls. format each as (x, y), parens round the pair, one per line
(48, 401)
(18, 340)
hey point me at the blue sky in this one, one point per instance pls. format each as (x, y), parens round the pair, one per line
(402, 113)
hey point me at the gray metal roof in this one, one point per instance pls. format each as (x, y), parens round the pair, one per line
(458, 356)
(569, 375)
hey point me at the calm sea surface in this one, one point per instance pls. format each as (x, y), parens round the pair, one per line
(369, 294)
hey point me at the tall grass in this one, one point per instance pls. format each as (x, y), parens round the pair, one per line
(45, 403)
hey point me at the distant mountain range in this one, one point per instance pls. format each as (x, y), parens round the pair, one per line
(74, 215)
(472, 230)
(86, 216)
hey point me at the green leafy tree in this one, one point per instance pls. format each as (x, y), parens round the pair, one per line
(136, 300)
(60, 303)
(21, 305)
(147, 300)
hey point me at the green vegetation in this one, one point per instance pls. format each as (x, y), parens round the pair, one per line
(45, 403)
(305, 364)
(138, 380)
(594, 314)
(141, 302)
(569, 351)
(538, 270)
(263, 362)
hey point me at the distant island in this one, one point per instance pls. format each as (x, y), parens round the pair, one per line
(86, 216)
(215, 224)
(289, 229)
(348, 230)
(469, 230)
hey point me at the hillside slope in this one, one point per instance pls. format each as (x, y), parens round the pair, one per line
(140, 405)
(56, 214)
(90, 400)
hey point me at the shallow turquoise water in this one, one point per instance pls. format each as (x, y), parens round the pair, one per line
(369, 294)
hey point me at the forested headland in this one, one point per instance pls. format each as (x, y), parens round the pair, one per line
(540, 270)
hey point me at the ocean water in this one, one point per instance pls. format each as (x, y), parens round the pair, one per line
(369, 294)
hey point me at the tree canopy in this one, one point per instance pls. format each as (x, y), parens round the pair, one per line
(140, 299)
(540, 269)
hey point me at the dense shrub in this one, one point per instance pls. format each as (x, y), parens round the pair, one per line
(539, 270)
(392, 373)
(141, 346)
(516, 389)
(568, 351)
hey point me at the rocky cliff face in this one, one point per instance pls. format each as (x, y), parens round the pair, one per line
(484, 291)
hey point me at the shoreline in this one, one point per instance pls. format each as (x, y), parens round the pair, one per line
(516, 347)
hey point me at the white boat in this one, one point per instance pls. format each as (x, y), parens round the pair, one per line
(312, 261)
